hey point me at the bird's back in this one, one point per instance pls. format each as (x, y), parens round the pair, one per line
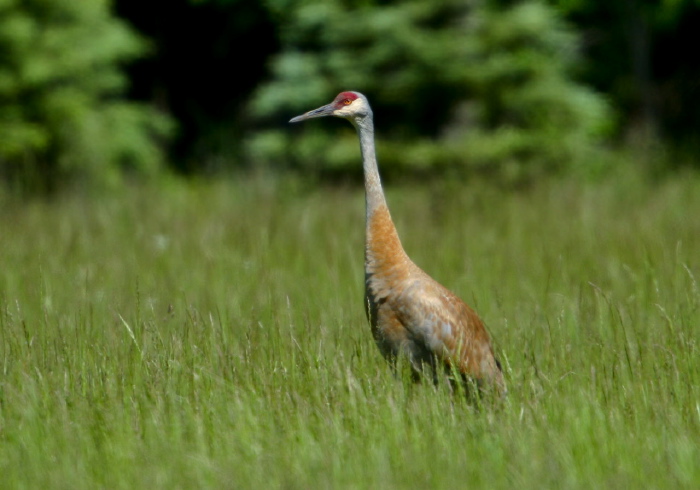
(412, 314)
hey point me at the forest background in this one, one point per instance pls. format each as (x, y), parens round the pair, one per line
(96, 92)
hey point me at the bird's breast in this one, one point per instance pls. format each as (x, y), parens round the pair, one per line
(387, 266)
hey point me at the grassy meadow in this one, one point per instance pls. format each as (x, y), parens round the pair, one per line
(212, 335)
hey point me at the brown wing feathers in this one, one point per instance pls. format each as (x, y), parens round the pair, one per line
(412, 314)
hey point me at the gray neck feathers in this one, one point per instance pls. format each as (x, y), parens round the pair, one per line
(374, 195)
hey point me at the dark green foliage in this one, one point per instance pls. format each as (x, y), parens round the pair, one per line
(638, 54)
(204, 77)
(457, 85)
(62, 117)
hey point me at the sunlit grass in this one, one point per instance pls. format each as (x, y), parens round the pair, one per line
(213, 335)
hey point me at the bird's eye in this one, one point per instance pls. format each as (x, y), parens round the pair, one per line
(347, 102)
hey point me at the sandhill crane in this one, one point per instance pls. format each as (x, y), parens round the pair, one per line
(410, 313)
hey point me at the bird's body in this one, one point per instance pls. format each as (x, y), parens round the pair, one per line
(410, 313)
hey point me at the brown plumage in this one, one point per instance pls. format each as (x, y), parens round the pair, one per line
(410, 313)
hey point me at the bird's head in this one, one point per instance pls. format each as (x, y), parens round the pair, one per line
(348, 105)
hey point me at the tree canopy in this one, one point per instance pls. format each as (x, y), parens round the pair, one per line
(93, 91)
(460, 85)
(62, 116)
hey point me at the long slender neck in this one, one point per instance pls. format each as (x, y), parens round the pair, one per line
(374, 195)
(383, 248)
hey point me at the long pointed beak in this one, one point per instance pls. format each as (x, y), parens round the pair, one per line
(326, 110)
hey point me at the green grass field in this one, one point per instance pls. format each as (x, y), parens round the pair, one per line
(213, 335)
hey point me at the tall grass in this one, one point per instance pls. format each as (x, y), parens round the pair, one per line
(213, 335)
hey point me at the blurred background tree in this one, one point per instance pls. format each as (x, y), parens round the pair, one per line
(507, 89)
(459, 86)
(637, 54)
(62, 117)
(209, 56)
